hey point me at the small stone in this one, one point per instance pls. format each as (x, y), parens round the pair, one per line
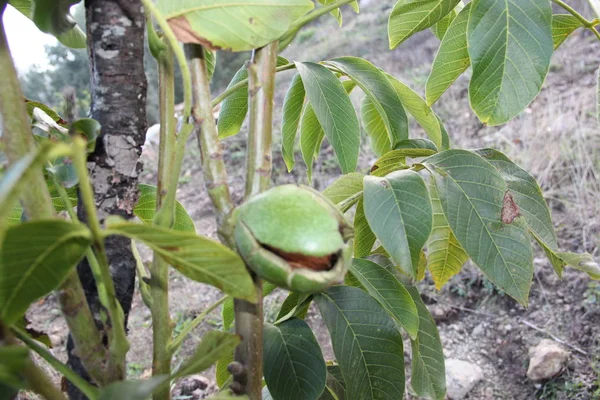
(479, 330)
(461, 378)
(546, 360)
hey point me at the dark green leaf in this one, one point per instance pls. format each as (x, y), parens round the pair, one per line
(428, 370)
(417, 144)
(380, 91)
(311, 137)
(398, 209)
(87, 128)
(389, 292)
(410, 17)
(364, 238)
(335, 388)
(52, 16)
(34, 259)
(133, 390)
(510, 46)
(452, 58)
(445, 256)
(256, 23)
(13, 360)
(367, 344)
(334, 111)
(234, 108)
(374, 127)
(199, 258)
(477, 204)
(294, 306)
(292, 110)
(145, 210)
(214, 346)
(293, 363)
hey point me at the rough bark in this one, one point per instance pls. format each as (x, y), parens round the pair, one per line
(115, 31)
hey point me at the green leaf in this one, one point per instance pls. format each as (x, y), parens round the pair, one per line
(377, 86)
(392, 161)
(428, 370)
(294, 306)
(445, 256)
(562, 26)
(32, 105)
(13, 360)
(398, 209)
(452, 58)
(52, 16)
(582, 262)
(411, 16)
(374, 127)
(34, 259)
(389, 292)
(334, 111)
(16, 178)
(213, 346)
(311, 137)
(364, 238)
(335, 388)
(510, 46)
(228, 314)
(210, 58)
(440, 28)
(473, 195)
(337, 13)
(87, 128)
(292, 110)
(345, 190)
(223, 374)
(367, 344)
(145, 210)
(133, 390)
(16, 211)
(418, 108)
(294, 367)
(199, 258)
(420, 147)
(234, 108)
(257, 22)
(74, 37)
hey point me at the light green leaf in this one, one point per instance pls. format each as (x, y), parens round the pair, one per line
(445, 256)
(428, 370)
(210, 58)
(582, 262)
(389, 292)
(334, 111)
(294, 367)
(13, 359)
(133, 390)
(292, 110)
(440, 29)
(257, 22)
(510, 46)
(73, 37)
(364, 238)
(398, 209)
(452, 58)
(473, 196)
(411, 16)
(234, 108)
(345, 190)
(16, 210)
(562, 26)
(392, 161)
(34, 259)
(311, 137)
(418, 108)
(222, 374)
(145, 210)
(374, 127)
(378, 88)
(52, 16)
(213, 346)
(367, 344)
(199, 258)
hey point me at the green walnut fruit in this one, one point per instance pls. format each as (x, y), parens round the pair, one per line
(294, 237)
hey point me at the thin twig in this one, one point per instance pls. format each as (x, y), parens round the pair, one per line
(556, 338)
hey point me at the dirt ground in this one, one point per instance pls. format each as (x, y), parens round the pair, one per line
(557, 139)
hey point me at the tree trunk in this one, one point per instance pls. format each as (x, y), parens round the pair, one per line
(115, 32)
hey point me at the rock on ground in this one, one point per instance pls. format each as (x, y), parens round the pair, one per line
(461, 377)
(546, 360)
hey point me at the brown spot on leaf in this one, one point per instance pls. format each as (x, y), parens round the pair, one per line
(510, 210)
(297, 261)
(185, 34)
